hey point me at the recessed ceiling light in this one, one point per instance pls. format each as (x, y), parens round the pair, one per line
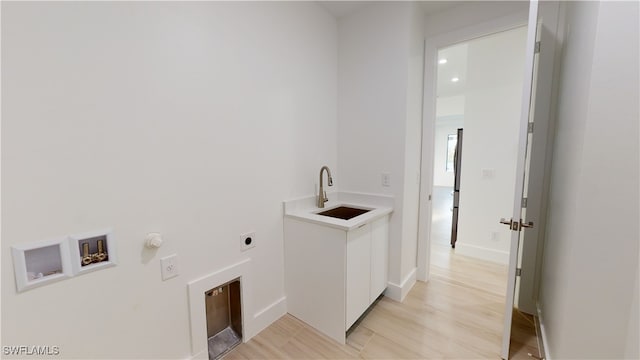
(442, 61)
(455, 79)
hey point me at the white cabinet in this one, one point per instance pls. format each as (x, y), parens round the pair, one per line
(379, 257)
(332, 276)
(358, 273)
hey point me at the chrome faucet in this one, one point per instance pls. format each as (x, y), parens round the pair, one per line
(322, 195)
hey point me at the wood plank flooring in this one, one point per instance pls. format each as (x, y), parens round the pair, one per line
(523, 337)
(458, 314)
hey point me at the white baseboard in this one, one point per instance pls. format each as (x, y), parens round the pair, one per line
(543, 334)
(265, 317)
(202, 355)
(399, 292)
(483, 253)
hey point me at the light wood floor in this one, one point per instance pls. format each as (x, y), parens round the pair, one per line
(458, 314)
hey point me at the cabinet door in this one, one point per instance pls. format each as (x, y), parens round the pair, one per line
(379, 257)
(358, 273)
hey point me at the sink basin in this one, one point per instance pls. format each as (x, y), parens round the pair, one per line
(343, 212)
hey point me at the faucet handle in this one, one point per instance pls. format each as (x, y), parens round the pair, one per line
(325, 197)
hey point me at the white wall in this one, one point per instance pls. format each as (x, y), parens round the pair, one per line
(589, 287)
(450, 105)
(413, 143)
(472, 13)
(191, 119)
(632, 349)
(444, 126)
(495, 70)
(379, 93)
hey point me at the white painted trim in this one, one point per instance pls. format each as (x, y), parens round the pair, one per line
(267, 316)
(432, 44)
(543, 333)
(202, 355)
(197, 311)
(483, 253)
(399, 292)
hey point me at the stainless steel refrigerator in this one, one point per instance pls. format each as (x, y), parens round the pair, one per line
(457, 162)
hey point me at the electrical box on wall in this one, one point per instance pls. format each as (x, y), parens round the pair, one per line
(41, 263)
(48, 261)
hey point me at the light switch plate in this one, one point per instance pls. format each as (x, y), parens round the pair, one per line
(169, 267)
(487, 173)
(386, 179)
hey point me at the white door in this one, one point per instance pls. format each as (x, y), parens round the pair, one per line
(531, 246)
(517, 223)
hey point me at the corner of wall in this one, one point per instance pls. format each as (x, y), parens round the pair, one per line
(542, 334)
(398, 292)
(632, 350)
(265, 317)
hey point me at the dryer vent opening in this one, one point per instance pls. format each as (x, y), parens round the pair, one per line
(224, 318)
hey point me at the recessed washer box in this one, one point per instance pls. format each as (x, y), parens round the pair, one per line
(92, 251)
(44, 262)
(41, 263)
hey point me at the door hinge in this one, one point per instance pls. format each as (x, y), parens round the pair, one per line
(524, 203)
(518, 272)
(537, 47)
(530, 128)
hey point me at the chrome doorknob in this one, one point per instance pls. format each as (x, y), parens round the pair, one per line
(526, 225)
(513, 225)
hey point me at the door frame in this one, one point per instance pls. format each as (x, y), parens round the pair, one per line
(432, 44)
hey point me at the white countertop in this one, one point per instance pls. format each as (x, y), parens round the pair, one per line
(305, 209)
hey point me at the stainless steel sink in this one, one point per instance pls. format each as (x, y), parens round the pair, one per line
(343, 212)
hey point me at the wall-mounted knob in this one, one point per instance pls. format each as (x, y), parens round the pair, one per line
(153, 240)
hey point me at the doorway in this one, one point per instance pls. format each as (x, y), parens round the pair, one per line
(479, 86)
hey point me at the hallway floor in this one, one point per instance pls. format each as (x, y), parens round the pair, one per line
(458, 314)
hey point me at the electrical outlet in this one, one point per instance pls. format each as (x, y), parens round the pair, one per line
(169, 267)
(247, 240)
(487, 173)
(386, 179)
